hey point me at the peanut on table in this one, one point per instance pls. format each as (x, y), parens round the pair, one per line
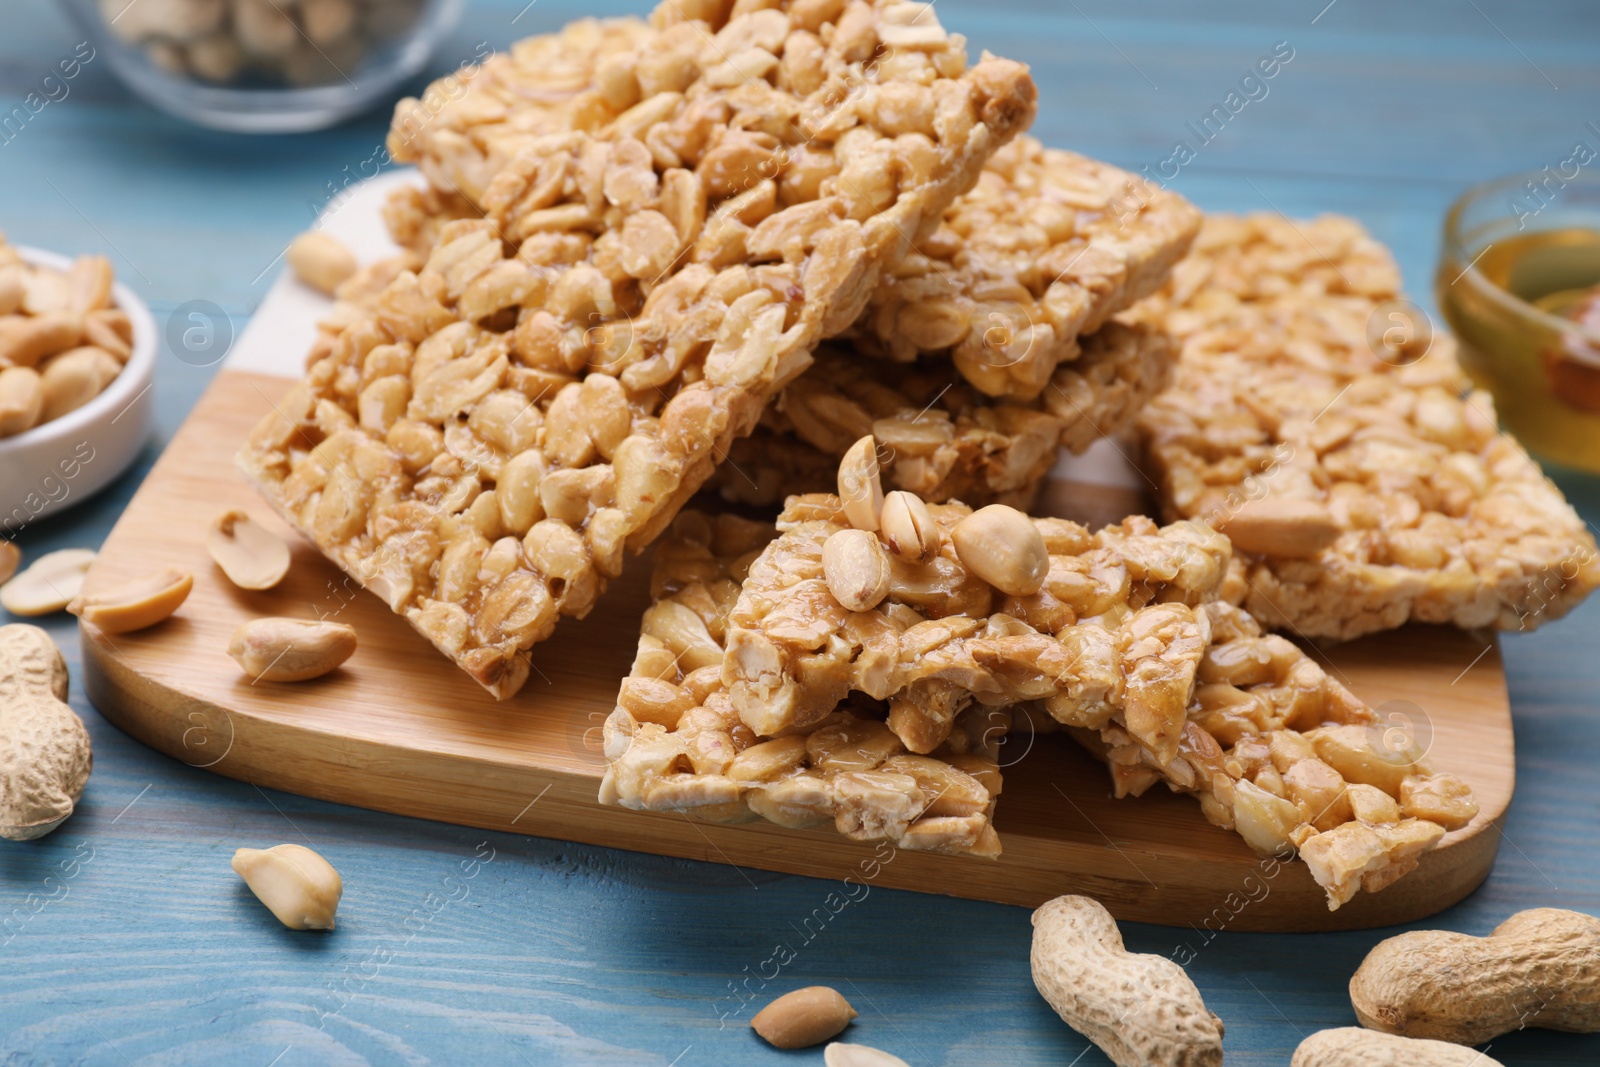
(1331, 433)
(480, 440)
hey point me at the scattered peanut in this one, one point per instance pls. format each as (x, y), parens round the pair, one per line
(252, 556)
(290, 650)
(49, 584)
(45, 756)
(1287, 529)
(1142, 1010)
(135, 605)
(320, 260)
(1539, 968)
(909, 529)
(10, 559)
(1002, 546)
(296, 884)
(1351, 1046)
(860, 487)
(842, 1055)
(856, 568)
(803, 1018)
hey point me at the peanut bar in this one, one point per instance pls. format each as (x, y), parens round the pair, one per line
(941, 438)
(1112, 630)
(1045, 249)
(675, 744)
(481, 440)
(1334, 438)
(1294, 763)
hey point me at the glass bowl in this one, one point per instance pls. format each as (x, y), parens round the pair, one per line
(265, 66)
(1520, 255)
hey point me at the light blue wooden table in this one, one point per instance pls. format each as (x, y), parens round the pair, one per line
(124, 937)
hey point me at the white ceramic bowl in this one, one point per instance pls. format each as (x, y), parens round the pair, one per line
(59, 463)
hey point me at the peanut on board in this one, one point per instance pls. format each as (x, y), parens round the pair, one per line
(856, 569)
(49, 584)
(136, 604)
(296, 884)
(803, 1018)
(1351, 1046)
(860, 487)
(290, 650)
(252, 556)
(1142, 1010)
(1002, 546)
(320, 260)
(44, 750)
(842, 1055)
(1539, 968)
(1289, 529)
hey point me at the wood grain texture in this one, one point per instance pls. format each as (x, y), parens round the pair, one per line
(400, 729)
(560, 953)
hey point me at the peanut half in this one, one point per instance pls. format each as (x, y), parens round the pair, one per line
(50, 584)
(252, 556)
(1351, 1046)
(137, 604)
(21, 400)
(290, 650)
(74, 378)
(860, 487)
(1002, 546)
(909, 529)
(803, 1018)
(1287, 529)
(10, 560)
(1142, 1010)
(45, 756)
(320, 260)
(1539, 968)
(856, 569)
(842, 1055)
(296, 884)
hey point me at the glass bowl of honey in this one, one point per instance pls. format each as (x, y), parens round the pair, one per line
(1519, 283)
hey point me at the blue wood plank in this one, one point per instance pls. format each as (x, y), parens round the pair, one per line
(124, 938)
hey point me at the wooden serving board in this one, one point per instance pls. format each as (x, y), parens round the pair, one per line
(400, 729)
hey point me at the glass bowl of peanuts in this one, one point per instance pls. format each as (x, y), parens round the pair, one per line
(77, 358)
(265, 66)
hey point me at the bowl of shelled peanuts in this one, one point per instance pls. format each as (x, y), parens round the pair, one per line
(265, 66)
(77, 359)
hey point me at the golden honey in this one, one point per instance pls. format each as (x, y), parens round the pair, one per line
(1525, 306)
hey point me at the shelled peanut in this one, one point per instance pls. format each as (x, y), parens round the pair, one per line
(300, 42)
(62, 340)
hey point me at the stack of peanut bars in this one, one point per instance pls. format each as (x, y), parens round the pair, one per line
(800, 253)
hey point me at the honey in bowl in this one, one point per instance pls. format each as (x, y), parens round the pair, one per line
(1519, 283)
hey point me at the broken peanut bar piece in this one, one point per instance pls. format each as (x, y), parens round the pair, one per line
(1044, 250)
(940, 438)
(1330, 433)
(480, 441)
(1009, 609)
(1294, 763)
(675, 744)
